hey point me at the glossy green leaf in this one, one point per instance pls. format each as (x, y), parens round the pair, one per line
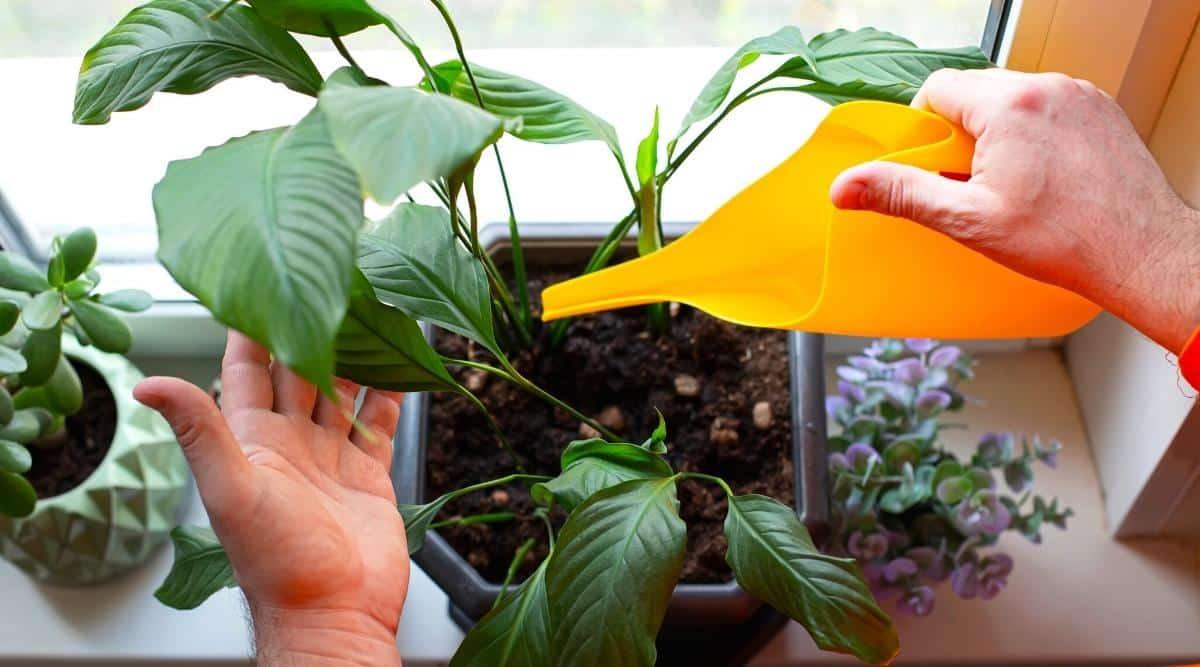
(78, 250)
(418, 519)
(262, 230)
(56, 270)
(17, 497)
(785, 41)
(128, 300)
(516, 633)
(105, 328)
(546, 116)
(615, 565)
(873, 64)
(415, 263)
(318, 17)
(14, 457)
(18, 273)
(774, 559)
(379, 346)
(589, 466)
(173, 46)
(954, 489)
(201, 569)
(64, 391)
(10, 312)
(25, 425)
(43, 311)
(647, 154)
(396, 138)
(42, 350)
(11, 361)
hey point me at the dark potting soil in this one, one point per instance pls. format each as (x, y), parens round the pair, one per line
(705, 375)
(63, 463)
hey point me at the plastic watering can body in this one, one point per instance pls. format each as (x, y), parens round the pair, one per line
(780, 255)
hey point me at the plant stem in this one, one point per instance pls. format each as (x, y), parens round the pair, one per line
(499, 481)
(220, 11)
(510, 374)
(495, 427)
(341, 49)
(513, 566)
(473, 212)
(708, 478)
(741, 97)
(492, 517)
(518, 255)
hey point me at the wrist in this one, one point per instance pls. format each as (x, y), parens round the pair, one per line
(321, 637)
(1159, 291)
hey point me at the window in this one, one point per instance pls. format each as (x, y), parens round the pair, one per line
(619, 58)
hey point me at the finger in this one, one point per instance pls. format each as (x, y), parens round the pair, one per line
(946, 205)
(961, 97)
(223, 475)
(245, 380)
(294, 396)
(336, 415)
(378, 417)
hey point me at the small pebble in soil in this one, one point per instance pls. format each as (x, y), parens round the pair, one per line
(476, 380)
(723, 431)
(762, 415)
(612, 417)
(500, 497)
(586, 432)
(687, 385)
(674, 309)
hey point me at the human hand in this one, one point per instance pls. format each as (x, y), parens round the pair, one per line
(302, 504)
(1062, 189)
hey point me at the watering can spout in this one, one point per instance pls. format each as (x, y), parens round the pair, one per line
(780, 255)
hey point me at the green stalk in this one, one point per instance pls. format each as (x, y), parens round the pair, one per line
(504, 444)
(343, 51)
(510, 374)
(491, 517)
(220, 11)
(513, 566)
(708, 478)
(518, 254)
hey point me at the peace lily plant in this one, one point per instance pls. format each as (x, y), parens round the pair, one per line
(268, 232)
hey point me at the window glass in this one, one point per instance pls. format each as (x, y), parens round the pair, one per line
(620, 58)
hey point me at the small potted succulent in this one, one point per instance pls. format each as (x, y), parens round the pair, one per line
(541, 453)
(90, 481)
(909, 511)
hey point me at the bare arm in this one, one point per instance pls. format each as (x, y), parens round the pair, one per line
(1062, 189)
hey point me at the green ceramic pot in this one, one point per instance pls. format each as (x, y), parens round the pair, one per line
(116, 518)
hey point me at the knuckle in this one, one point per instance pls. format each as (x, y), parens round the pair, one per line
(1029, 96)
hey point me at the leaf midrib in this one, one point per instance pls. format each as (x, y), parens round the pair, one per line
(779, 557)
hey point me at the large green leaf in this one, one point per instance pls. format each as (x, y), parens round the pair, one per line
(262, 230)
(17, 497)
(396, 138)
(379, 346)
(173, 46)
(773, 558)
(873, 64)
(416, 264)
(201, 568)
(785, 41)
(546, 116)
(589, 466)
(319, 17)
(614, 568)
(418, 519)
(516, 633)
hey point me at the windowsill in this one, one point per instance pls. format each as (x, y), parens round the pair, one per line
(1081, 597)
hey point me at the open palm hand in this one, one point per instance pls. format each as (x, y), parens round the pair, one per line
(300, 498)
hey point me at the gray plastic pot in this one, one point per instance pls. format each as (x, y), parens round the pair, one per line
(710, 624)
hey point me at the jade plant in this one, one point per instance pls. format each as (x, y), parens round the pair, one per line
(268, 232)
(909, 511)
(39, 388)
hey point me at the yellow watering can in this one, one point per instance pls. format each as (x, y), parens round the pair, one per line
(779, 255)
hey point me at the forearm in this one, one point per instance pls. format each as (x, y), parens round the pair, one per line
(1157, 288)
(321, 638)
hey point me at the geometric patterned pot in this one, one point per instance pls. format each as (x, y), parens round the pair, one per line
(118, 516)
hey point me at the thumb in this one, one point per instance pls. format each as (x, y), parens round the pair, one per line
(904, 191)
(221, 469)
